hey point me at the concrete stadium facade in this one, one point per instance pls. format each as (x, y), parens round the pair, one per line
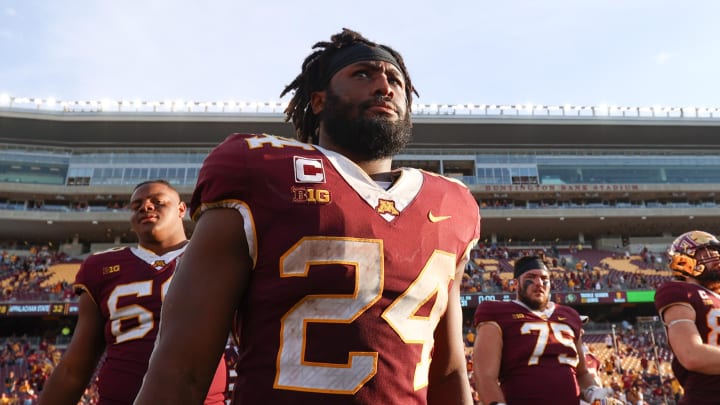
(535, 207)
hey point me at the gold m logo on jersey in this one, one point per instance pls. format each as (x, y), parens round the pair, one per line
(110, 269)
(387, 207)
(159, 263)
(518, 316)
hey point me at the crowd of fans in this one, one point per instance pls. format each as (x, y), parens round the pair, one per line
(26, 277)
(636, 364)
(574, 269)
(25, 364)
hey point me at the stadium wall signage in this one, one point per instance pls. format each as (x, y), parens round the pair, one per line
(563, 187)
(44, 308)
(569, 298)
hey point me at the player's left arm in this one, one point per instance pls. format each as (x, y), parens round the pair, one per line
(448, 379)
(590, 387)
(197, 313)
(67, 382)
(686, 342)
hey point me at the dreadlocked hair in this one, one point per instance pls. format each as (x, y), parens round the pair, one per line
(312, 79)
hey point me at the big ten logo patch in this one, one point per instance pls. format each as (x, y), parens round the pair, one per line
(111, 269)
(310, 195)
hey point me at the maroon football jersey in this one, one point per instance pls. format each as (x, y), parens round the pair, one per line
(349, 279)
(699, 388)
(128, 286)
(539, 356)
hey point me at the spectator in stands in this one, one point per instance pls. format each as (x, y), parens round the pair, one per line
(690, 309)
(676, 389)
(121, 291)
(609, 341)
(532, 346)
(353, 97)
(10, 382)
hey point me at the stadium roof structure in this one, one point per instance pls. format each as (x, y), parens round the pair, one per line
(449, 127)
(441, 129)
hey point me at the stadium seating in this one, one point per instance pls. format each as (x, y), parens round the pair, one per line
(490, 270)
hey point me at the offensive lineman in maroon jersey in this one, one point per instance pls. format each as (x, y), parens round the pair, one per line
(345, 273)
(531, 346)
(121, 291)
(690, 309)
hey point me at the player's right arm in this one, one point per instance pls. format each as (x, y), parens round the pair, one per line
(198, 310)
(487, 355)
(69, 379)
(686, 342)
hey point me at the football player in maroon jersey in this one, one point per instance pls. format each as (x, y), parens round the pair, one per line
(121, 291)
(529, 351)
(345, 273)
(690, 309)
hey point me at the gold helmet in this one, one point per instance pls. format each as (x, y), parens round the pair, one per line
(694, 254)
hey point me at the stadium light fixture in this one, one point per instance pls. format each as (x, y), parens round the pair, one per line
(685, 111)
(232, 106)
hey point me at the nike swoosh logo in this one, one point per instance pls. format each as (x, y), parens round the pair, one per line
(439, 218)
(561, 318)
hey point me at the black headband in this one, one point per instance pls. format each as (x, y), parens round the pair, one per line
(357, 52)
(527, 265)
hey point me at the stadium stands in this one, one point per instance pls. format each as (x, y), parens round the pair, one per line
(572, 270)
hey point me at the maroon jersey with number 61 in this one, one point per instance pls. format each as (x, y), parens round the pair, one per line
(539, 356)
(128, 286)
(700, 389)
(349, 279)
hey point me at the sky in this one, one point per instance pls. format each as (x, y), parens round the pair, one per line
(506, 52)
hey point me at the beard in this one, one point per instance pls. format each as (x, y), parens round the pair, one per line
(367, 138)
(710, 278)
(712, 285)
(532, 303)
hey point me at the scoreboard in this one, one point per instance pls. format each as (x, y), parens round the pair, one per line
(39, 308)
(569, 298)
